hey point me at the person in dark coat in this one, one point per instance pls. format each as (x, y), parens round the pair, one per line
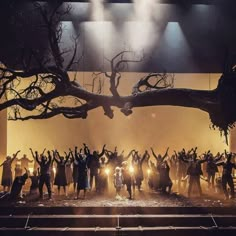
(165, 181)
(227, 175)
(45, 173)
(82, 163)
(18, 170)
(74, 170)
(7, 172)
(93, 164)
(127, 177)
(211, 168)
(34, 187)
(17, 185)
(60, 178)
(194, 172)
(137, 162)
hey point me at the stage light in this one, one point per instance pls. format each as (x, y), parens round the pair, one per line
(54, 170)
(131, 169)
(107, 171)
(97, 10)
(31, 170)
(144, 9)
(149, 171)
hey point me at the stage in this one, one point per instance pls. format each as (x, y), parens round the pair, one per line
(149, 213)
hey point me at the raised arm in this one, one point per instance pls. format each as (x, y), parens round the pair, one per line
(181, 157)
(43, 151)
(103, 151)
(176, 155)
(220, 163)
(218, 158)
(37, 157)
(49, 157)
(130, 153)
(67, 157)
(77, 154)
(72, 155)
(108, 154)
(153, 153)
(32, 153)
(166, 154)
(203, 160)
(145, 155)
(55, 154)
(14, 156)
(86, 150)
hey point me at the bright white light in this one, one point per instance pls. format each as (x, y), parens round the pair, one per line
(141, 35)
(131, 169)
(54, 170)
(31, 170)
(97, 10)
(149, 171)
(107, 171)
(144, 9)
(99, 38)
(142, 30)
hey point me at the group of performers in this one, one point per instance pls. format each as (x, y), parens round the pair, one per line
(88, 170)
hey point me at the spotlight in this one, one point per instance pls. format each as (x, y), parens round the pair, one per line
(149, 171)
(97, 10)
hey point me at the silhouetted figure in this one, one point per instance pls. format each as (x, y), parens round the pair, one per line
(36, 164)
(24, 161)
(93, 165)
(159, 158)
(7, 172)
(60, 178)
(69, 177)
(127, 176)
(45, 173)
(82, 163)
(211, 168)
(165, 181)
(114, 159)
(34, 187)
(145, 166)
(194, 172)
(181, 167)
(173, 167)
(137, 163)
(153, 177)
(74, 170)
(18, 170)
(227, 175)
(17, 185)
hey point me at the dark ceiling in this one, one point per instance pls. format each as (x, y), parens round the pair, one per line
(187, 38)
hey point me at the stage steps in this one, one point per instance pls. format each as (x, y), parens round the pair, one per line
(117, 221)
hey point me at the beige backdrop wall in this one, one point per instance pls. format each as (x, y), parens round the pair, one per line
(160, 127)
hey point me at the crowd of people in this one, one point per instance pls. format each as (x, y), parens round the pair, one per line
(88, 170)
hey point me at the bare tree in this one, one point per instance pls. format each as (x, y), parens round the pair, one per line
(49, 88)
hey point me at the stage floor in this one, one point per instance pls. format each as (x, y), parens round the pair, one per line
(141, 199)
